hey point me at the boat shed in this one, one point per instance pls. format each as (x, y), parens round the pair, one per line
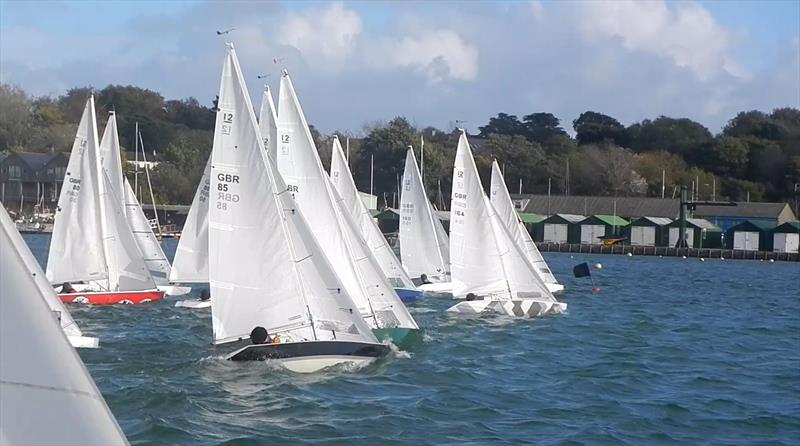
(700, 233)
(786, 237)
(533, 223)
(562, 228)
(750, 235)
(597, 227)
(649, 231)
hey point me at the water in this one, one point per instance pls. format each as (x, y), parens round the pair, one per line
(671, 351)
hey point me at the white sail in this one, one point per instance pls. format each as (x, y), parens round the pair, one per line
(46, 394)
(343, 182)
(77, 251)
(154, 258)
(424, 245)
(268, 123)
(111, 159)
(190, 264)
(485, 259)
(265, 268)
(15, 245)
(502, 203)
(301, 168)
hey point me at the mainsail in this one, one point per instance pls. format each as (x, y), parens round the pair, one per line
(268, 124)
(79, 202)
(343, 182)
(301, 168)
(46, 393)
(190, 264)
(502, 203)
(485, 259)
(148, 243)
(13, 244)
(424, 245)
(276, 277)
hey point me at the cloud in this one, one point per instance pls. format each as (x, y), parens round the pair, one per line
(440, 54)
(329, 33)
(689, 35)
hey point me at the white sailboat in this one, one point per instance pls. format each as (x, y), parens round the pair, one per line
(342, 181)
(424, 245)
(13, 245)
(488, 268)
(502, 203)
(299, 164)
(92, 243)
(47, 396)
(265, 267)
(147, 242)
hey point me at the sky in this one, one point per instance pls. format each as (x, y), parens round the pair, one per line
(357, 63)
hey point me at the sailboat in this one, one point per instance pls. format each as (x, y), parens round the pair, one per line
(351, 203)
(92, 245)
(489, 269)
(424, 245)
(46, 394)
(502, 203)
(13, 245)
(268, 123)
(266, 269)
(300, 166)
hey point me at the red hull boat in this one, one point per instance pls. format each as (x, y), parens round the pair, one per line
(112, 297)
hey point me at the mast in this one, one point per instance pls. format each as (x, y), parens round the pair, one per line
(150, 186)
(136, 166)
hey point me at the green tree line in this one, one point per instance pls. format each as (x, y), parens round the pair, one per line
(756, 155)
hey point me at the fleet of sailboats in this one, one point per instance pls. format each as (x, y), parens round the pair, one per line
(297, 267)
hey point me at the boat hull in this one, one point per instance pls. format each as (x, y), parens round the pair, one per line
(554, 287)
(515, 308)
(408, 295)
(193, 304)
(174, 290)
(438, 287)
(312, 356)
(112, 297)
(403, 338)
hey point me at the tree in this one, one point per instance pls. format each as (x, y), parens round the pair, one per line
(522, 159)
(15, 117)
(503, 124)
(592, 127)
(388, 146)
(753, 123)
(731, 156)
(684, 137)
(542, 127)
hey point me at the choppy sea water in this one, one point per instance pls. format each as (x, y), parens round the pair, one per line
(671, 351)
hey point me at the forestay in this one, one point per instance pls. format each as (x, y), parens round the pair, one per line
(13, 245)
(265, 268)
(502, 203)
(268, 123)
(48, 396)
(190, 264)
(351, 202)
(424, 245)
(485, 259)
(301, 168)
(78, 202)
(148, 243)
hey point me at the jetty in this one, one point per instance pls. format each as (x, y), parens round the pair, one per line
(665, 251)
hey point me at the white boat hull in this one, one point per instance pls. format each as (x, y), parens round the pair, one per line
(84, 341)
(439, 287)
(555, 287)
(508, 307)
(312, 356)
(193, 304)
(175, 290)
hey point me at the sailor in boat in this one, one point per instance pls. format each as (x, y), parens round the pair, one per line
(472, 296)
(423, 278)
(205, 295)
(67, 288)
(260, 335)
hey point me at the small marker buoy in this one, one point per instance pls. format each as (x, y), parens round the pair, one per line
(771, 260)
(683, 257)
(571, 257)
(596, 290)
(702, 259)
(630, 254)
(722, 258)
(598, 265)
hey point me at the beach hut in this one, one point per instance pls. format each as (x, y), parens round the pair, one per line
(596, 227)
(649, 231)
(700, 233)
(533, 223)
(750, 236)
(561, 228)
(786, 237)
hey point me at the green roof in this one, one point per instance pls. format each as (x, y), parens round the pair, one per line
(612, 220)
(789, 226)
(758, 225)
(529, 218)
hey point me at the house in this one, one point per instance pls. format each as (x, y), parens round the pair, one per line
(597, 227)
(649, 231)
(533, 223)
(27, 179)
(700, 233)
(786, 237)
(750, 236)
(561, 228)
(727, 217)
